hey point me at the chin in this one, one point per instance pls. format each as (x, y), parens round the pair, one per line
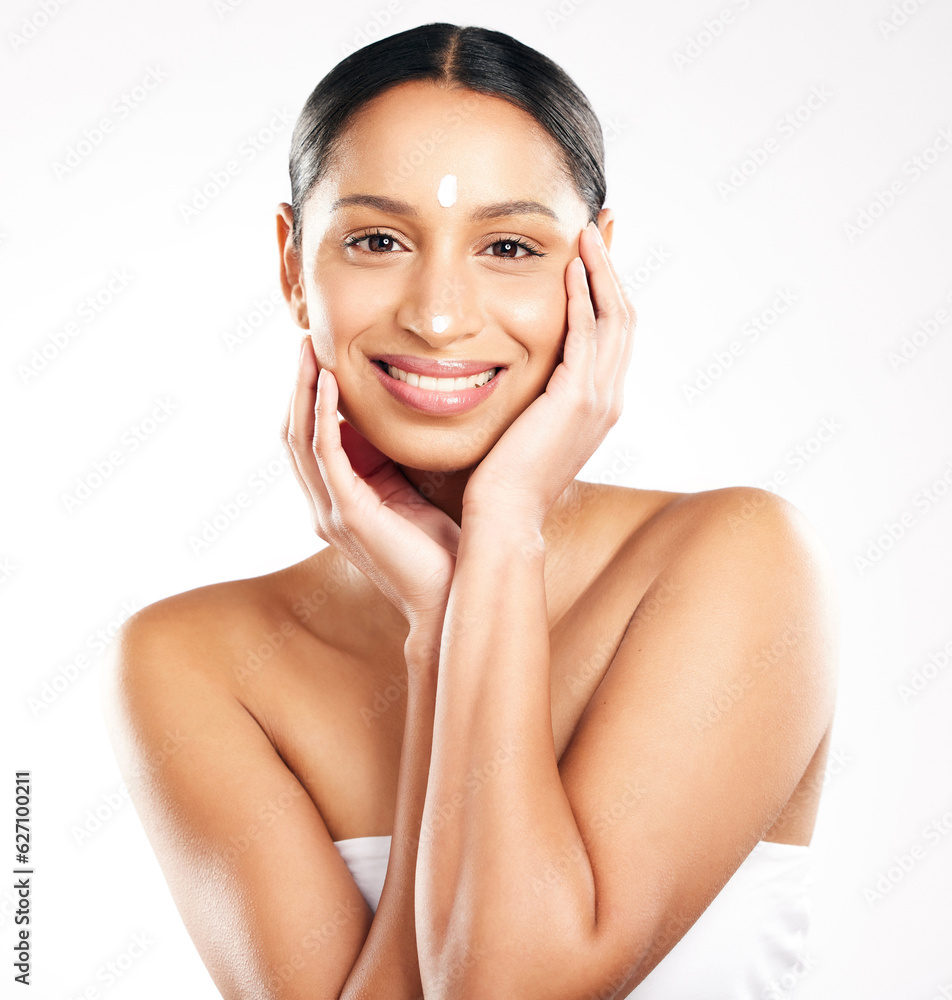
(448, 450)
(437, 448)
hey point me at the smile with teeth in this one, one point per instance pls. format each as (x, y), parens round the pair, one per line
(438, 384)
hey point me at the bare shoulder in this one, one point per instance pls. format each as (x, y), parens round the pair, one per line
(760, 560)
(227, 817)
(203, 618)
(715, 517)
(200, 635)
(745, 516)
(741, 537)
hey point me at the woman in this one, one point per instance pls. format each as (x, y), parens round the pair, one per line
(509, 734)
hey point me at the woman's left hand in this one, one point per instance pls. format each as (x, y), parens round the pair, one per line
(545, 447)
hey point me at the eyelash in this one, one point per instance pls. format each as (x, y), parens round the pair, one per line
(531, 249)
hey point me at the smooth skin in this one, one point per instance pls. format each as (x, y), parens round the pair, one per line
(576, 708)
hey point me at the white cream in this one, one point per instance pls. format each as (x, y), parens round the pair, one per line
(440, 323)
(446, 193)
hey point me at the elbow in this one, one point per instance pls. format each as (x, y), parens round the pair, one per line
(531, 964)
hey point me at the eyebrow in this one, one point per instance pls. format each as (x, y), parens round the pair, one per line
(396, 207)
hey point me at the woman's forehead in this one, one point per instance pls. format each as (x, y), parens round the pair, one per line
(425, 144)
(428, 107)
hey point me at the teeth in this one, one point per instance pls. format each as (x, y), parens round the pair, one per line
(441, 384)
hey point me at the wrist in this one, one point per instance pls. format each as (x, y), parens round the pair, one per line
(504, 530)
(421, 649)
(504, 504)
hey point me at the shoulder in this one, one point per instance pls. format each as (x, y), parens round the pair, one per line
(199, 634)
(753, 570)
(173, 678)
(750, 521)
(226, 815)
(741, 540)
(719, 518)
(724, 683)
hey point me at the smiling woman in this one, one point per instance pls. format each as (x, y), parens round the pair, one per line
(508, 734)
(373, 247)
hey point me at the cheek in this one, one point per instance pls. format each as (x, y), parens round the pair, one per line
(533, 313)
(341, 305)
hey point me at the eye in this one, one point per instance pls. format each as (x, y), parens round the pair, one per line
(380, 242)
(510, 247)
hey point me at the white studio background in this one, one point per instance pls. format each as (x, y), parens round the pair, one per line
(781, 175)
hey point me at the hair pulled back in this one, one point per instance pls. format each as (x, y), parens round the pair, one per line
(480, 59)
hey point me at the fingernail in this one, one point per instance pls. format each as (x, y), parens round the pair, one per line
(303, 346)
(320, 378)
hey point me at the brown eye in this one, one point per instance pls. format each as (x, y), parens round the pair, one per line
(378, 243)
(511, 248)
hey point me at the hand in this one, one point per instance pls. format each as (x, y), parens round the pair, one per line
(544, 448)
(363, 505)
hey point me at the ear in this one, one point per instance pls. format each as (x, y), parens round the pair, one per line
(605, 223)
(290, 267)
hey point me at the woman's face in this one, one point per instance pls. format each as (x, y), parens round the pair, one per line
(441, 233)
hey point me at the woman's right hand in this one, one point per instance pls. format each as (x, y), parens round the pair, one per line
(364, 506)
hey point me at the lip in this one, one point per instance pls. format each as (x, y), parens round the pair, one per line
(431, 401)
(437, 368)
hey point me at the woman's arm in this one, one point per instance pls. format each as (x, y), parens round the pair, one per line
(495, 807)
(263, 891)
(549, 880)
(387, 967)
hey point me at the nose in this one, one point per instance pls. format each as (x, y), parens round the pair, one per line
(439, 302)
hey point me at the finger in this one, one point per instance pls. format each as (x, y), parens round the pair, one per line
(351, 497)
(394, 490)
(629, 338)
(350, 486)
(611, 310)
(621, 374)
(632, 314)
(328, 451)
(301, 432)
(579, 350)
(286, 438)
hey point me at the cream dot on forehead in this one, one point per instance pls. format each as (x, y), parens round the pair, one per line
(446, 193)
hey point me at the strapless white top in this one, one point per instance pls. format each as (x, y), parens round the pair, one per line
(753, 932)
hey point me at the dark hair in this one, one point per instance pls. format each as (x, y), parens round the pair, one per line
(488, 62)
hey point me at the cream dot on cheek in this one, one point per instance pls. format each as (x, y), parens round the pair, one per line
(446, 193)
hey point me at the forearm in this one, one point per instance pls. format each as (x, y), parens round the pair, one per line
(387, 967)
(496, 821)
